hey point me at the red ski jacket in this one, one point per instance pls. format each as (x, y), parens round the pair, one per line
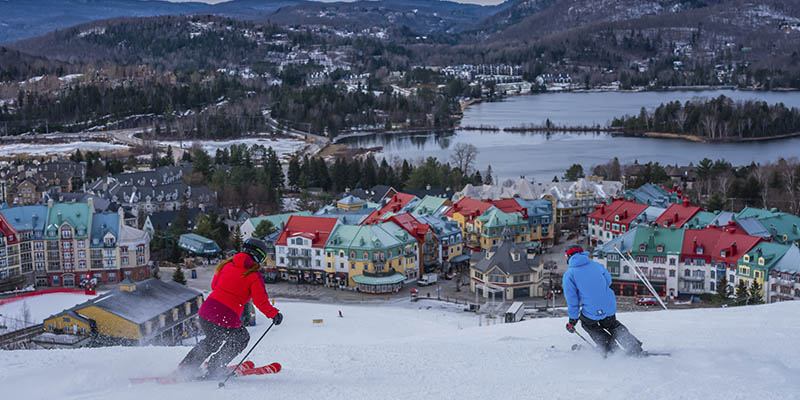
(230, 291)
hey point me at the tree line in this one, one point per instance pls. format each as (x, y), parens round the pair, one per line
(716, 119)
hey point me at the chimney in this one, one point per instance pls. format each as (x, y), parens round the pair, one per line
(625, 214)
(686, 202)
(733, 248)
(90, 203)
(675, 218)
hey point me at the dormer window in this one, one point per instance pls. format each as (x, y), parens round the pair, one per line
(642, 247)
(722, 253)
(616, 217)
(761, 261)
(660, 249)
(746, 258)
(699, 250)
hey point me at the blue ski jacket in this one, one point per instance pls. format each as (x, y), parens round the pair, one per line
(586, 289)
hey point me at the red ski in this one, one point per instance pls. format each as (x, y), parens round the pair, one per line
(247, 368)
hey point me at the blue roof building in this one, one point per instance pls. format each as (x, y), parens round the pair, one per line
(104, 224)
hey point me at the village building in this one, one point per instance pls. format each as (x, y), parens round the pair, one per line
(198, 245)
(451, 242)
(709, 252)
(608, 221)
(506, 271)
(464, 212)
(678, 214)
(391, 207)
(429, 248)
(134, 313)
(278, 221)
(376, 258)
(299, 248)
(757, 266)
(784, 278)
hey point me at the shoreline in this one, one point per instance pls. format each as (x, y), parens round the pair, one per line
(698, 139)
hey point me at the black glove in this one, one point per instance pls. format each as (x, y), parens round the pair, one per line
(571, 325)
(277, 319)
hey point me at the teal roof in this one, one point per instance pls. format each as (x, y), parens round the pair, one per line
(429, 205)
(379, 280)
(671, 239)
(651, 194)
(26, 218)
(103, 223)
(755, 212)
(77, 215)
(495, 218)
(782, 224)
(278, 220)
(772, 253)
(197, 244)
(700, 220)
(378, 237)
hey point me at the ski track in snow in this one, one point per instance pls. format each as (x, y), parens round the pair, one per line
(402, 351)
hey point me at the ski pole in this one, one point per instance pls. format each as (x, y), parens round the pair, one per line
(233, 371)
(584, 339)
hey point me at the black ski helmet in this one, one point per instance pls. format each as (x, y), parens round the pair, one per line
(256, 248)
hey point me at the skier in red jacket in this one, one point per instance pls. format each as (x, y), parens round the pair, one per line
(236, 280)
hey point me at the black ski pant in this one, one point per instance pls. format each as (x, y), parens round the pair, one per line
(223, 343)
(607, 332)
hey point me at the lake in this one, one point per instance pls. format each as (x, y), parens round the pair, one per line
(541, 156)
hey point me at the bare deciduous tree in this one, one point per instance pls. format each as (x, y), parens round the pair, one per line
(464, 156)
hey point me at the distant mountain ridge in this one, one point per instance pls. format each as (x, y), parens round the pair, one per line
(23, 19)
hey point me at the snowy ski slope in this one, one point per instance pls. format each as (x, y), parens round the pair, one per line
(404, 352)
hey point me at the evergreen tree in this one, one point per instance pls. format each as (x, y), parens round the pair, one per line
(169, 159)
(405, 174)
(756, 294)
(201, 163)
(477, 179)
(487, 179)
(77, 156)
(294, 172)
(264, 229)
(723, 290)
(574, 172)
(716, 202)
(178, 276)
(236, 241)
(741, 293)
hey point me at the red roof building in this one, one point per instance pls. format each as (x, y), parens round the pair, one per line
(394, 205)
(316, 229)
(677, 214)
(716, 246)
(608, 221)
(423, 233)
(510, 206)
(469, 208)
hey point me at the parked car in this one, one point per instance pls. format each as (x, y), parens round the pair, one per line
(427, 279)
(646, 301)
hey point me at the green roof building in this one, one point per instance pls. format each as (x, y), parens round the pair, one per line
(490, 225)
(372, 258)
(430, 205)
(277, 220)
(198, 245)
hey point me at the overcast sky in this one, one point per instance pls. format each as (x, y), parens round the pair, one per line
(482, 2)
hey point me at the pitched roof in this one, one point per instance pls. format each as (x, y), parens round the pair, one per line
(151, 298)
(369, 237)
(677, 215)
(315, 228)
(102, 224)
(753, 227)
(535, 208)
(197, 244)
(351, 201)
(277, 220)
(394, 205)
(715, 240)
(671, 239)
(509, 258)
(26, 218)
(430, 205)
(162, 219)
(468, 207)
(701, 219)
(772, 253)
(782, 225)
(77, 215)
(495, 218)
(507, 205)
(755, 212)
(620, 210)
(790, 262)
(411, 225)
(723, 218)
(651, 194)
(622, 242)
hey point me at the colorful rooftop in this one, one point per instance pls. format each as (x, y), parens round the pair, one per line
(315, 228)
(677, 215)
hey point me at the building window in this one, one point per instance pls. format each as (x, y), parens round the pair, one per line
(672, 273)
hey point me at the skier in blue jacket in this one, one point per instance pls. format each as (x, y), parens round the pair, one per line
(590, 299)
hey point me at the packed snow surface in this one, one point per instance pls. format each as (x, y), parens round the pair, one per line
(11, 150)
(405, 351)
(38, 308)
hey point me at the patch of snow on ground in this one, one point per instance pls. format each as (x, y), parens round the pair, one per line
(69, 78)
(39, 308)
(11, 150)
(394, 351)
(283, 147)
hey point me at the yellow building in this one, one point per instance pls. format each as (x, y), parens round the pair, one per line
(371, 258)
(149, 311)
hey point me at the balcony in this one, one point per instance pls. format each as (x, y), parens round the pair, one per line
(691, 291)
(300, 256)
(692, 278)
(409, 252)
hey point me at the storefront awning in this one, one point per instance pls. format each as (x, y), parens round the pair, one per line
(460, 258)
(383, 280)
